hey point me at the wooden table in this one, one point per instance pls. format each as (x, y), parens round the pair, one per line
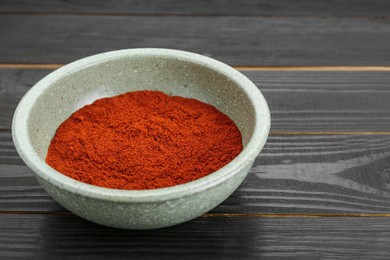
(319, 189)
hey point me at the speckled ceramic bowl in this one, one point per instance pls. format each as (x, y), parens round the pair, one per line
(58, 95)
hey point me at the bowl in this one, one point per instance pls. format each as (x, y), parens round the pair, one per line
(54, 98)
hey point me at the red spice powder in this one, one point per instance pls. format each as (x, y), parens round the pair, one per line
(143, 140)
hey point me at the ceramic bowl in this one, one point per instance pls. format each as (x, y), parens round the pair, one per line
(62, 92)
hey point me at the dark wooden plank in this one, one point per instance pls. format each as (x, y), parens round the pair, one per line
(234, 40)
(203, 7)
(326, 100)
(14, 83)
(294, 174)
(69, 237)
(19, 187)
(299, 100)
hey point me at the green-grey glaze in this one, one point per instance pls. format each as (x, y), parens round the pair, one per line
(67, 89)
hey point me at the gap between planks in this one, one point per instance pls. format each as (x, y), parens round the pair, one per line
(230, 215)
(242, 68)
(171, 15)
(119, 14)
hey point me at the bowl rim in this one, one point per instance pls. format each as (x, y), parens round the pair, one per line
(28, 154)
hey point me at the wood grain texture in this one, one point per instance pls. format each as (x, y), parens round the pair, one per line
(298, 100)
(293, 174)
(270, 41)
(326, 100)
(48, 236)
(14, 83)
(203, 7)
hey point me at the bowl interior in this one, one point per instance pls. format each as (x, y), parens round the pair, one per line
(173, 76)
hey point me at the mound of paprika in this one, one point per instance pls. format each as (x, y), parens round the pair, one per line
(143, 140)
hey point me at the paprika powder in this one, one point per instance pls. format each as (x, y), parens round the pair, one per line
(143, 140)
